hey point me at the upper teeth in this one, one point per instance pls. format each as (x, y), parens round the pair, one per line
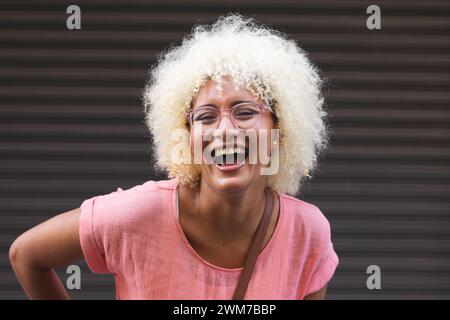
(221, 152)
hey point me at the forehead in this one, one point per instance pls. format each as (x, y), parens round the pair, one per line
(230, 93)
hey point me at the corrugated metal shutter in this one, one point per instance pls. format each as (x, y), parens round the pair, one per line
(71, 124)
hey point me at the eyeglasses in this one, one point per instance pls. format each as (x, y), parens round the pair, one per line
(244, 115)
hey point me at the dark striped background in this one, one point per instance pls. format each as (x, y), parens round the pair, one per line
(71, 124)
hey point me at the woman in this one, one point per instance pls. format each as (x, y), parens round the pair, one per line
(231, 93)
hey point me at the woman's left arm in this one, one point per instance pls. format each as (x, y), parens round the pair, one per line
(318, 295)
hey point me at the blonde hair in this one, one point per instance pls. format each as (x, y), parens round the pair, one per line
(258, 58)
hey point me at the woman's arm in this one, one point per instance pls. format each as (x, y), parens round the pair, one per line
(318, 295)
(34, 254)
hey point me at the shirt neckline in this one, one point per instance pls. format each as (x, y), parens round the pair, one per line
(265, 251)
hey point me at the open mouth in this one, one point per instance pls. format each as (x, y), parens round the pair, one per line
(231, 156)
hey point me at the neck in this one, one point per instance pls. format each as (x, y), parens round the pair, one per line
(238, 212)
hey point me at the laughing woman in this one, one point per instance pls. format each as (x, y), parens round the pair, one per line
(221, 226)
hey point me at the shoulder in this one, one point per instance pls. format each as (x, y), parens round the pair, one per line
(306, 220)
(125, 204)
(149, 190)
(146, 189)
(304, 213)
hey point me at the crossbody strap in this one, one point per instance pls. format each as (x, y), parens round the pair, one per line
(255, 248)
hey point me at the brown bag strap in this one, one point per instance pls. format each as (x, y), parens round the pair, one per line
(255, 248)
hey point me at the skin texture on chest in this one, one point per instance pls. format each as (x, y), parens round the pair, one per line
(219, 249)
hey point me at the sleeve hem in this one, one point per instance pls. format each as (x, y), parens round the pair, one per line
(89, 246)
(324, 274)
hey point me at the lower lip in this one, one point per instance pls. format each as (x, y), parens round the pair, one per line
(229, 167)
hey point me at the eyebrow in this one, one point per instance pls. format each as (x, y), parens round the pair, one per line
(231, 104)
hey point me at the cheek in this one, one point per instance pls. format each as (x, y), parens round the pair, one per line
(198, 144)
(266, 126)
(196, 138)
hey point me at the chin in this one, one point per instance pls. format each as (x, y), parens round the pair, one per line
(230, 184)
(235, 181)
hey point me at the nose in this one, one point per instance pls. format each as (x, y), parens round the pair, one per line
(225, 122)
(226, 130)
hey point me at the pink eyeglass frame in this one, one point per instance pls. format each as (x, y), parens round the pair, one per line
(261, 106)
